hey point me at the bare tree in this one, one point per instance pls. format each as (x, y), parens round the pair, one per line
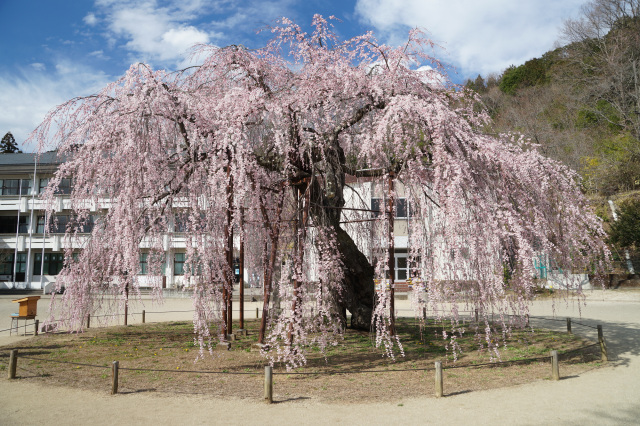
(604, 46)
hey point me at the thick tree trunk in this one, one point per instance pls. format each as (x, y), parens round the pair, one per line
(327, 201)
(358, 296)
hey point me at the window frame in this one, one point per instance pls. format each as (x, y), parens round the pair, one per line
(176, 262)
(20, 189)
(398, 269)
(52, 262)
(401, 204)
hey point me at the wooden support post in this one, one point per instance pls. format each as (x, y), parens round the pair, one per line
(439, 380)
(227, 293)
(13, 364)
(568, 325)
(392, 256)
(476, 316)
(241, 270)
(603, 345)
(143, 316)
(35, 331)
(257, 314)
(88, 320)
(268, 384)
(555, 370)
(114, 377)
(126, 304)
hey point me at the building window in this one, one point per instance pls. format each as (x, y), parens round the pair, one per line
(6, 264)
(180, 222)
(8, 224)
(21, 267)
(155, 258)
(178, 263)
(40, 226)
(401, 208)
(15, 186)
(378, 207)
(58, 224)
(65, 187)
(53, 263)
(43, 185)
(401, 267)
(144, 265)
(8, 260)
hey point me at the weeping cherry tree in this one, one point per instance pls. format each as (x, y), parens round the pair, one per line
(259, 145)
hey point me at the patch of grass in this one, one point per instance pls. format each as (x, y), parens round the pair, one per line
(170, 347)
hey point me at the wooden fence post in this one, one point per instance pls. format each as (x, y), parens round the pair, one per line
(257, 314)
(114, 377)
(476, 316)
(143, 316)
(35, 332)
(13, 363)
(268, 384)
(603, 345)
(555, 370)
(439, 381)
(88, 320)
(568, 325)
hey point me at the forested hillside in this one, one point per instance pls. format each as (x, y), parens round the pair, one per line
(581, 104)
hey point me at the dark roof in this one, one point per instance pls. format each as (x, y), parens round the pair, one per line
(28, 158)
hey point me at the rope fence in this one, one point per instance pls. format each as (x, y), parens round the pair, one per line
(269, 373)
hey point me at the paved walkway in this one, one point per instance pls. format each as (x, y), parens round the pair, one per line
(608, 395)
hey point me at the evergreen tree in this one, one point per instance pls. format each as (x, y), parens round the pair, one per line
(8, 144)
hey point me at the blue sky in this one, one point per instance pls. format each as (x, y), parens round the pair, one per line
(52, 51)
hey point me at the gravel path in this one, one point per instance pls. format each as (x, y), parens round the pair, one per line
(607, 395)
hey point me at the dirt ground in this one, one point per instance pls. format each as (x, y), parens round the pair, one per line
(605, 395)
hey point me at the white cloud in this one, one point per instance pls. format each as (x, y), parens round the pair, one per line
(153, 33)
(28, 96)
(90, 19)
(38, 66)
(182, 39)
(162, 32)
(478, 36)
(98, 54)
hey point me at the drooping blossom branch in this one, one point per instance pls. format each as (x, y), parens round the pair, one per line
(153, 153)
